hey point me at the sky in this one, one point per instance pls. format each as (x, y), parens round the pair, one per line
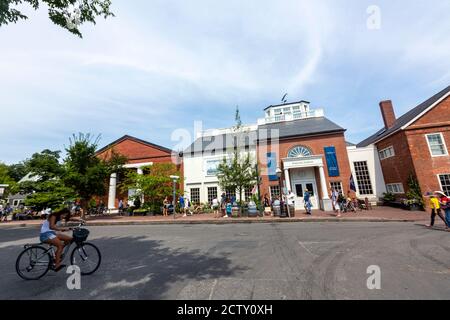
(160, 65)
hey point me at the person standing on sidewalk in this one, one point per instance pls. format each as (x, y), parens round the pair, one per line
(223, 204)
(181, 202)
(334, 201)
(166, 204)
(215, 207)
(435, 210)
(444, 202)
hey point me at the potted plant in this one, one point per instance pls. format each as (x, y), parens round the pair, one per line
(388, 198)
(412, 204)
(414, 201)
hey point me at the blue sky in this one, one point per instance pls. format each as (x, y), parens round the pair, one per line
(160, 65)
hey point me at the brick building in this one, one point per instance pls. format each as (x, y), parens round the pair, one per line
(301, 144)
(310, 150)
(415, 143)
(140, 154)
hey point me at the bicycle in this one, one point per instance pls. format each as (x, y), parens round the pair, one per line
(37, 259)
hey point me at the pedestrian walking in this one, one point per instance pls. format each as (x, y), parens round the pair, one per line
(307, 201)
(444, 202)
(342, 202)
(435, 209)
(182, 203)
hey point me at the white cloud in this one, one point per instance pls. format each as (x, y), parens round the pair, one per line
(162, 64)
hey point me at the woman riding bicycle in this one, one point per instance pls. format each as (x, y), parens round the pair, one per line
(51, 234)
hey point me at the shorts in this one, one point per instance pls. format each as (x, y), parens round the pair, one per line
(49, 235)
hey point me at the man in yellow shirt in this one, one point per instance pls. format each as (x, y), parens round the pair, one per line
(435, 209)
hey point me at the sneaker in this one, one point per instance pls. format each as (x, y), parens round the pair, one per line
(59, 268)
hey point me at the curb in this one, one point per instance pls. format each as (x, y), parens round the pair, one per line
(223, 222)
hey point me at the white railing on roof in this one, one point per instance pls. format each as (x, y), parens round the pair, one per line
(289, 116)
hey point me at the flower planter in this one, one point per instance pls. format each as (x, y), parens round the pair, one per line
(413, 207)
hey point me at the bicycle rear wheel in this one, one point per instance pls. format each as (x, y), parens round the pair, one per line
(87, 257)
(33, 263)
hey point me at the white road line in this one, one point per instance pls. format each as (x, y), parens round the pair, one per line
(212, 289)
(303, 246)
(22, 242)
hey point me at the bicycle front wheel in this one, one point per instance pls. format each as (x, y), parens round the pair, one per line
(33, 263)
(87, 257)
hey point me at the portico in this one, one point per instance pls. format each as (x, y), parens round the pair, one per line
(113, 183)
(300, 175)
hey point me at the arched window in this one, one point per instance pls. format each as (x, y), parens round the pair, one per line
(299, 151)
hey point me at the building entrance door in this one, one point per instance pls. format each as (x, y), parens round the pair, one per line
(299, 188)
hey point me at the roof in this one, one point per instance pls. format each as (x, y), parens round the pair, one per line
(127, 137)
(30, 177)
(288, 129)
(405, 119)
(303, 127)
(349, 144)
(221, 142)
(286, 104)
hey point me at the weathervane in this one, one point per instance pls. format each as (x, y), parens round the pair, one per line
(284, 100)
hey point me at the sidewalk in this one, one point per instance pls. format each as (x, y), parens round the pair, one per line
(378, 214)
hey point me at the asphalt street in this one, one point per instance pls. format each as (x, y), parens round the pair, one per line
(246, 261)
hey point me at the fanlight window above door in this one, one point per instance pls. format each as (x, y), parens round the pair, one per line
(299, 151)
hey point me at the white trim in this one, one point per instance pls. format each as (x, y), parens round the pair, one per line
(439, 180)
(381, 151)
(137, 165)
(426, 110)
(402, 191)
(443, 142)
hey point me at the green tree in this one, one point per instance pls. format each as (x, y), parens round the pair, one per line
(45, 188)
(68, 14)
(5, 178)
(17, 171)
(154, 186)
(238, 172)
(414, 193)
(86, 173)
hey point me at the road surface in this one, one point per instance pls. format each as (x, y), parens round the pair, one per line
(247, 261)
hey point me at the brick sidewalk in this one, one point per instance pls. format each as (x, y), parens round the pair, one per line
(378, 214)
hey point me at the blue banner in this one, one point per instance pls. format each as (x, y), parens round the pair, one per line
(272, 166)
(332, 163)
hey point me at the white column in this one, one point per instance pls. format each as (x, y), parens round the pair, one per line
(287, 178)
(323, 183)
(112, 191)
(140, 172)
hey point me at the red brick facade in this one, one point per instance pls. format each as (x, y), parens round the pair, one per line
(412, 153)
(317, 145)
(137, 151)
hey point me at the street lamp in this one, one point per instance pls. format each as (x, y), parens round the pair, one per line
(279, 173)
(174, 200)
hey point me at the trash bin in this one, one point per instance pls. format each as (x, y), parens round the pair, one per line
(292, 210)
(276, 211)
(252, 211)
(283, 213)
(235, 212)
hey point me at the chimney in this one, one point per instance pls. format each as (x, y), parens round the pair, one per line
(387, 111)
